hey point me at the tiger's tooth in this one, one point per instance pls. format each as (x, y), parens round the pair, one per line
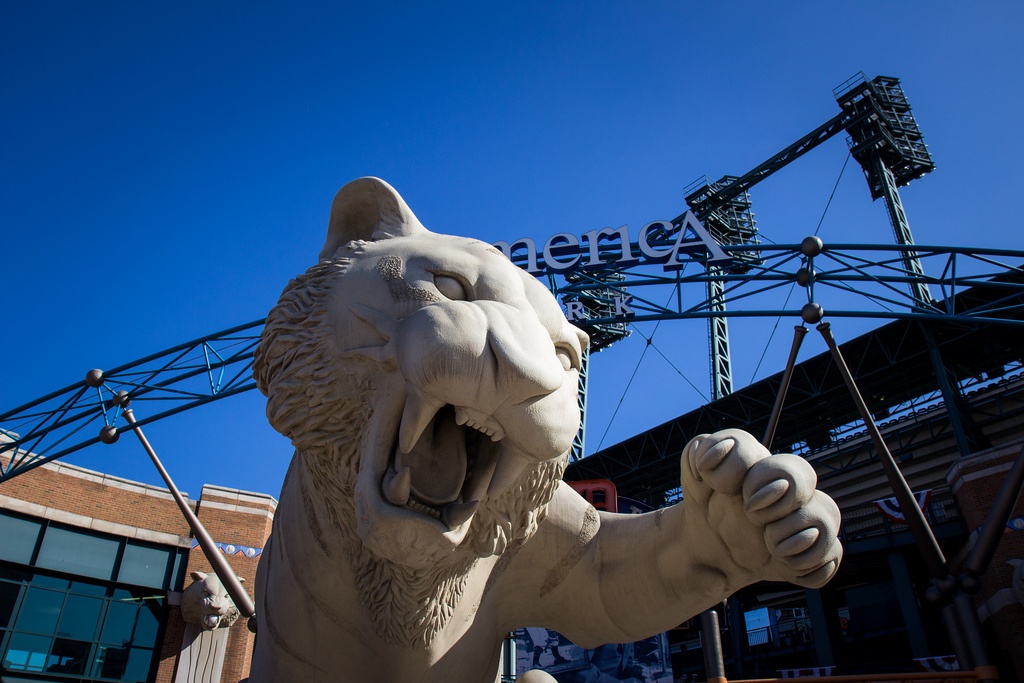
(510, 466)
(461, 416)
(419, 411)
(397, 489)
(456, 514)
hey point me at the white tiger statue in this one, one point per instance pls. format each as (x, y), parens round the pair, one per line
(206, 602)
(429, 388)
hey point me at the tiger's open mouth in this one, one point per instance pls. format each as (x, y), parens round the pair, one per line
(447, 460)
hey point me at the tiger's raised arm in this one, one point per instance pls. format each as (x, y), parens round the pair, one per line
(746, 516)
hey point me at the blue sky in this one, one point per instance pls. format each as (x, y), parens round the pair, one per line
(166, 167)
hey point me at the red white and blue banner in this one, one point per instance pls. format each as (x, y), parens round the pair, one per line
(938, 664)
(890, 507)
(233, 549)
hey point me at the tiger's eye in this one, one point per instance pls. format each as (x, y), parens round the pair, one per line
(564, 357)
(450, 288)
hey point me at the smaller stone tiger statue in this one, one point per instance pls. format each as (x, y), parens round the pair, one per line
(206, 602)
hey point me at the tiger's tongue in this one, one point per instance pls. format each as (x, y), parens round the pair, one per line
(438, 462)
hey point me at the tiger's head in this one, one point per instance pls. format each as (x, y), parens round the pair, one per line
(430, 381)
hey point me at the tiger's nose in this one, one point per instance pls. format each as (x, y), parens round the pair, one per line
(526, 364)
(534, 374)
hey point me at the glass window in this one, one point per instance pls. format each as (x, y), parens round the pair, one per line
(78, 553)
(20, 537)
(117, 627)
(40, 610)
(26, 652)
(83, 588)
(178, 573)
(102, 632)
(7, 574)
(139, 662)
(110, 662)
(79, 617)
(8, 599)
(49, 582)
(144, 565)
(68, 657)
(148, 624)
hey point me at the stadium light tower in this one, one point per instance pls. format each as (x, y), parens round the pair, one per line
(888, 145)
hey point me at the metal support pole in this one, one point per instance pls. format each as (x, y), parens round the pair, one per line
(955, 629)
(799, 332)
(926, 543)
(718, 326)
(961, 617)
(711, 638)
(220, 566)
(967, 435)
(901, 228)
(909, 609)
(821, 626)
(737, 632)
(970, 631)
(577, 451)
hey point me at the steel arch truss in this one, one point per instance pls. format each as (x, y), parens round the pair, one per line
(849, 280)
(863, 281)
(185, 376)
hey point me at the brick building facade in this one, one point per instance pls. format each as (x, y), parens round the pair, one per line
(84, 545)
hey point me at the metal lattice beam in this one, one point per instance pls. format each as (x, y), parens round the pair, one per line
(182, 377)
(873, 276)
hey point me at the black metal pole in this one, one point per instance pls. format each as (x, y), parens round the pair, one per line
(926, 543)
(955, 628)
(970, 632)
(220, 566)
(965, 432)
(960, 615)
(711, 638)
(799, 332)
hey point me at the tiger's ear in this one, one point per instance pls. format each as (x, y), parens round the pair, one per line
(368, 209)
